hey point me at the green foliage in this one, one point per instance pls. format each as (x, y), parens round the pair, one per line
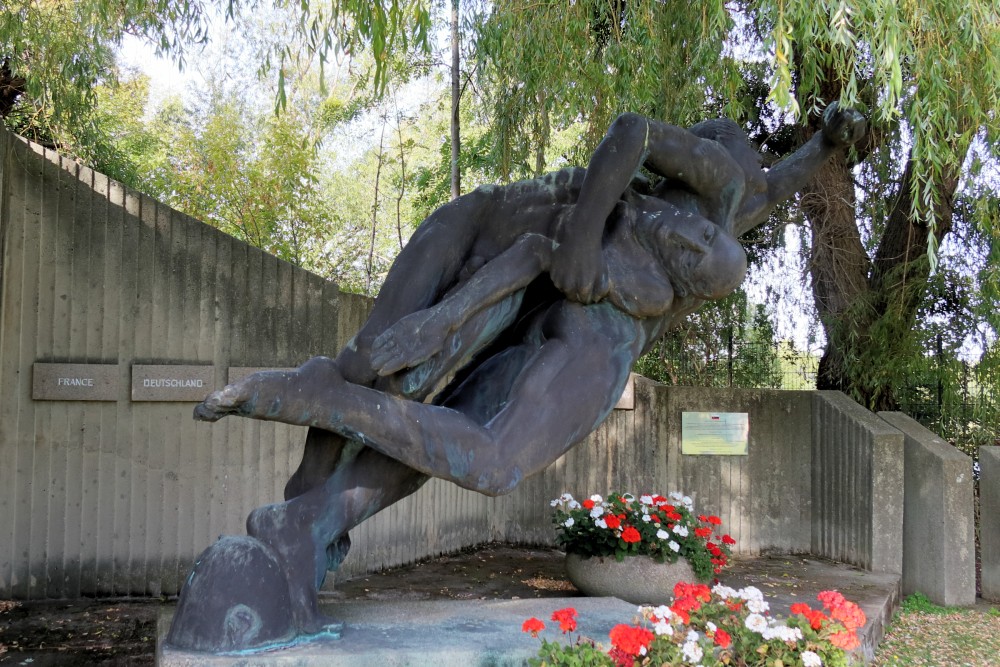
(920, 603)
(725, 343)
(63, 51)
(545, 65)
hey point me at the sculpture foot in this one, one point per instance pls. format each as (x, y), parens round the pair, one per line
(218, 404)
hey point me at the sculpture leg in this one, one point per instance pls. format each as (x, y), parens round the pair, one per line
(562, 391)
(309, 532)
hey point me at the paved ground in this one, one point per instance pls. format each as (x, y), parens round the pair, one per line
(123, 632)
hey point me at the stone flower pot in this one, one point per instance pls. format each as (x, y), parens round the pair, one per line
(637, 579)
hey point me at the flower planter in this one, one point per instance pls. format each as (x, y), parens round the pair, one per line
(637, 579)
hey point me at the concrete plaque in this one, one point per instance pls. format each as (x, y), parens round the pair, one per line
(715, 433)
(172, 383)
(74, 382)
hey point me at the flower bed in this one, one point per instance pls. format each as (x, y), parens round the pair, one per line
(664, 528)
(713, 628)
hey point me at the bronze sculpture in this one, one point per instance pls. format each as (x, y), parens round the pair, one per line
(542, 292)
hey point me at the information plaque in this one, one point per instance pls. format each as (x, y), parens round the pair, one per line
(172, 383)
(715, 433)
(74, 382)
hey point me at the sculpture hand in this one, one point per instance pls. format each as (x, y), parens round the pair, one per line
(409, 342)
(579, 272)
(842, 127)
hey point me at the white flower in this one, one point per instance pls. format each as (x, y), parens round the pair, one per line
(555, 502)
(782, 632)
(663, 628)
(692, 636)
(724, 592)
(601, 523)
(645, 518)
(674, 495)
(662, 534)
(569, 522)
(756, 622)
(573, 505)
(810, 659)
(642, 650)
(711, 627)
(674, 546)
(681, 530)
(597, 499)
(750, 593)
(692, 652)
(662, 612)
(757, 606)
(646, 500)
(688, 502)
(596, 512)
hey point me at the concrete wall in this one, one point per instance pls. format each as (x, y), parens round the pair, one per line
(989, 521)
(857, 485)
(939, 540)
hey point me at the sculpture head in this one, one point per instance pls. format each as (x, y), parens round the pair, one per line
(700, 258)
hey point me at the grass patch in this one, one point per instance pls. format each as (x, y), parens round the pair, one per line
(929, 635)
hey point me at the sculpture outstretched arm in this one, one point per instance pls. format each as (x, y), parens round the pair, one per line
(840, 128)
(631, 142)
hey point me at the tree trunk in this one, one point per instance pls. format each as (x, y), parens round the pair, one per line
(838, 265)
(11, 87)
(868, 307)
(456, 96)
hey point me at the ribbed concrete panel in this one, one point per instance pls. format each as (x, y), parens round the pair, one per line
(857, 485)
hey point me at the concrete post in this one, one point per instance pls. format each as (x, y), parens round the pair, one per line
(989, 520)
(939, 542)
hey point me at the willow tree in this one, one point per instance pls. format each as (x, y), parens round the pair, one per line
(53, 54)
(926, 73)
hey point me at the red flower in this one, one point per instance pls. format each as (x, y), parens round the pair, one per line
(532, 625)
(728, 540)
(672, 515)
(612, 521)
(566, 618)
(831, 599)
(849, 614)
(702, 518)
(704, 531)
(734, 605)
(847, 640)
(588, 504)
(630, 639)
(631, 535)
(800, 608)
(714, 520)
(722, 638)
(816, 618)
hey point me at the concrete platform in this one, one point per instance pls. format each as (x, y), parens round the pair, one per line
(480, 632)
(434, 633)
